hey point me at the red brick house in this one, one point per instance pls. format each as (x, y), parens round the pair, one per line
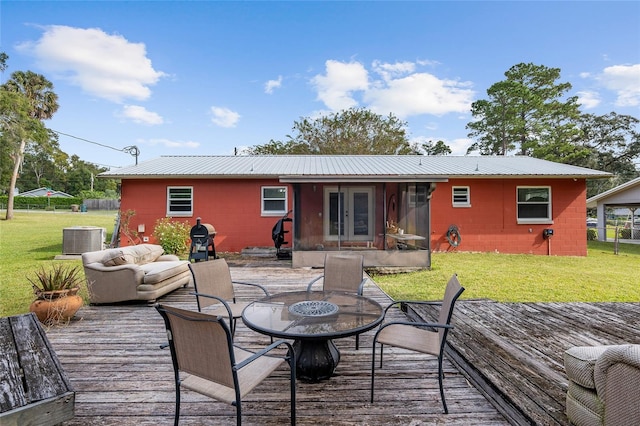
(439, 203)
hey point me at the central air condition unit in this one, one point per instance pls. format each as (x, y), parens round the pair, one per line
(81, 239)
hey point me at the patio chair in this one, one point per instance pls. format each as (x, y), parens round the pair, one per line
(342, 272)
(213, 278)
(423, 337)
(203, 353)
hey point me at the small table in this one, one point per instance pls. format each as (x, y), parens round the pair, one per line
(403, 239)
(313, 319)
(35, 388)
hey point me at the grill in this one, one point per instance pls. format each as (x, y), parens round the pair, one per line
(202, 246)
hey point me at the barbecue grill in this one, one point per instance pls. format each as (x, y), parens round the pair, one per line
(202, 246)
(277, 234)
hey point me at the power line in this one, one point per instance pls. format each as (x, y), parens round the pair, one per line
(133, 150)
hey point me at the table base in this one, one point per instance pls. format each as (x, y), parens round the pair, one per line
(316, 360)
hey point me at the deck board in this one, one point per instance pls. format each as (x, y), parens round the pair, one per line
(513, 351)
(121, 376)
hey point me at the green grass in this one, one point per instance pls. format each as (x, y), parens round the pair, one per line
(601, 276)
(32, 240)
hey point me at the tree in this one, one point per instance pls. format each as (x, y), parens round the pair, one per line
(525, 113)
(438, 148)
(34, 101)
(612, 142)
(349, 132)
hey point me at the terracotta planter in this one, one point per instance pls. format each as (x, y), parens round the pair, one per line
(55, 307)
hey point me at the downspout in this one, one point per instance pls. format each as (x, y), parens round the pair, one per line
(339, 218)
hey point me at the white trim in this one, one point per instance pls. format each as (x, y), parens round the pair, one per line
(269, 213)
(171, 213)
(455, 203)
(534, 220)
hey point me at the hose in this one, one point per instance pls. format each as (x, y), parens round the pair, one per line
(453, 236)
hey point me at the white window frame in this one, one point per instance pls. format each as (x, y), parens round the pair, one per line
(179, 213)
(533, 220)
(456, 197)
(264, 211)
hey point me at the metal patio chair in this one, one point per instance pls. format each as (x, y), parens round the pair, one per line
(423, 337)
(342, 272)
(206, 361)
(213, 278)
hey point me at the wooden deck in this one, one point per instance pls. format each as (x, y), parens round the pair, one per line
(506, 369)
(513, 352)
(121, 377)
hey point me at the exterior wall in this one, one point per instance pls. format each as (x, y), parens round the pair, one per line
(231, 206)
(490, 223)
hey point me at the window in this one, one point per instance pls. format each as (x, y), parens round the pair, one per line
(534, 204)
(460, 196)
(274, 200)
(179, 201)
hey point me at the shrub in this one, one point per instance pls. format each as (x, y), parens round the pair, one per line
(172, 236)
(592, 234)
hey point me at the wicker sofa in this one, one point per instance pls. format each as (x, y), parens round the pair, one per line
(140, 272)
(604, 385)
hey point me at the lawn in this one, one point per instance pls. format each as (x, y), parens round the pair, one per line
(32, 240)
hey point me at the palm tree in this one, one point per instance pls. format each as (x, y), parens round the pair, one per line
(41, 104)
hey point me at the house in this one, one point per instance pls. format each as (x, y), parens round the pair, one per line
(625, 196)
(396, 210)
(45, 192)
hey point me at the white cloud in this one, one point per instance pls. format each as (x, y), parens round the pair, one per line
(400, 89)
(271, 85)
(389, 71)
(335, 88)
(588, 99)
(106, 66)
(167, 143)
(141, 115)
(224, 117)
(625, 81)
(420, 93)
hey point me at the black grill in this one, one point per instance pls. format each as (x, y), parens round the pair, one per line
(202, 246)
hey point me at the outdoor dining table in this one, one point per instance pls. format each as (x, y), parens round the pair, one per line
(313, 319)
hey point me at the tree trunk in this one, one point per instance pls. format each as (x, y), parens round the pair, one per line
(14, 178)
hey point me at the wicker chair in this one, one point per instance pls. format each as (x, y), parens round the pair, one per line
(604, 385)
(213, 278)
(203, 353)
(427, 338)
(342, 272)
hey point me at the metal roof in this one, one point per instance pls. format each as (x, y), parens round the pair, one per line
(627, 186)
(301, 168)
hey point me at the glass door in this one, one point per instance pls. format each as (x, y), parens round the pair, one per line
(349, 212)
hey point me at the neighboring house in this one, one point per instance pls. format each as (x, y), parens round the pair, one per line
(625, 196)
(498, 204)
(44, 192)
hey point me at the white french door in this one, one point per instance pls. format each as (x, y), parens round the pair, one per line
(349, 213)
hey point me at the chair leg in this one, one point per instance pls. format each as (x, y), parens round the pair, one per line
(357, 342)
(440, 379)
(373, 369)
(238, 413)
(292, 367)
(177, 415)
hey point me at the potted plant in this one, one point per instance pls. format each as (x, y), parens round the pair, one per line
(56, 291)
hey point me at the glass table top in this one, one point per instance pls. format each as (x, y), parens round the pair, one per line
(313, 315)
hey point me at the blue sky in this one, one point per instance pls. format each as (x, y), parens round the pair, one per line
(205, 77)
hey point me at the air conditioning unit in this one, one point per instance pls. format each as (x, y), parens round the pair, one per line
(80, 239)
